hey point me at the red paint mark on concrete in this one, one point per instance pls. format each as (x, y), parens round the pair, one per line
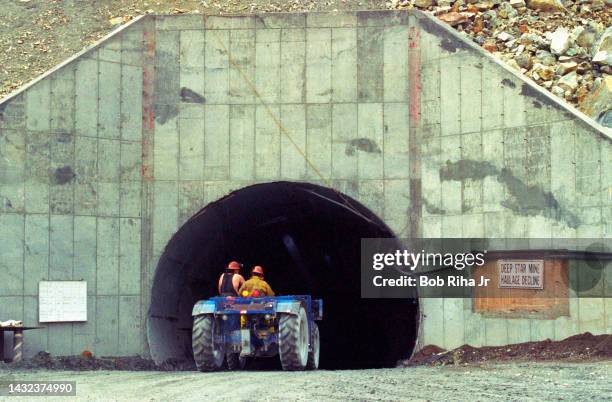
(414, 73)
(148, 114)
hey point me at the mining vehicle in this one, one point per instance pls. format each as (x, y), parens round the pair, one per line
(229, 331)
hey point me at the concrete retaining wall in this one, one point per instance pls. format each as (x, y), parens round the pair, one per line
(103, 159)
(502, 158)
(70, 197)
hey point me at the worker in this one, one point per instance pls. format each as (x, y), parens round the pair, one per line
(231, 280)
(256, 286)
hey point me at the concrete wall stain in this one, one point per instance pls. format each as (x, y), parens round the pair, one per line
(163, 113)
(64, 137)
(508, 83)
(432, 209)
(63, 175)
(258, 21)
(528, 90)
(525, 200)
(465, 208)
(532, 200)
(449, 43)
(167, 81)
(467, 169)
(191, 96)
(362, 144)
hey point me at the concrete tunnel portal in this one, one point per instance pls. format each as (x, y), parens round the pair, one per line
(307, 238)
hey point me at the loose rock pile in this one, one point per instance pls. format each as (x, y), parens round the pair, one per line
(564, 46)
(577, 348)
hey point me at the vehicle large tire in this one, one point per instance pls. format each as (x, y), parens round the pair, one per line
(208, 352)
(313, 353)
(293, 340)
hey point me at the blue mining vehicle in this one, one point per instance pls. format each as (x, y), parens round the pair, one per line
(229, 330)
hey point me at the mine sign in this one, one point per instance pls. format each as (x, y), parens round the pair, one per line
(523, 274)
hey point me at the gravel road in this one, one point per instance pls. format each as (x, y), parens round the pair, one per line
(517, 381)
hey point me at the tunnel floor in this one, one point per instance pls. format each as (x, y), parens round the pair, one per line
(307, 238)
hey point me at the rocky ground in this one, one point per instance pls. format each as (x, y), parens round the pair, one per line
(563, 45)
(508, 382)
(577, 368)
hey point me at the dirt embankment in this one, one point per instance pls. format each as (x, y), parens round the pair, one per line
(563, 45)
(36, 35)
(577, 348)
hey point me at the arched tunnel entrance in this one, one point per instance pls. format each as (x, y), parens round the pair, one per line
(307, 238)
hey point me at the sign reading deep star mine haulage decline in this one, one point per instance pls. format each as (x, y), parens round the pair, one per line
(62, 301)
(522, 274)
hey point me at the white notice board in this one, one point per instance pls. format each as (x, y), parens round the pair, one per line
(522, 274)
(62, 301)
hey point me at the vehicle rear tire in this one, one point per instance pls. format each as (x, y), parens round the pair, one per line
(293, 340)
(313, 353)
(208, 350)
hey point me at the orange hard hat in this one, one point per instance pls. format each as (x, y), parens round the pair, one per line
(233, 265)
(257, 270)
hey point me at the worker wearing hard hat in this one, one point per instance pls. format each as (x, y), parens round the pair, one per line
(231, 280)
(256, 286)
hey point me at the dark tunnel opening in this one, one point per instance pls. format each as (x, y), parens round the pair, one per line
(307, 238)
